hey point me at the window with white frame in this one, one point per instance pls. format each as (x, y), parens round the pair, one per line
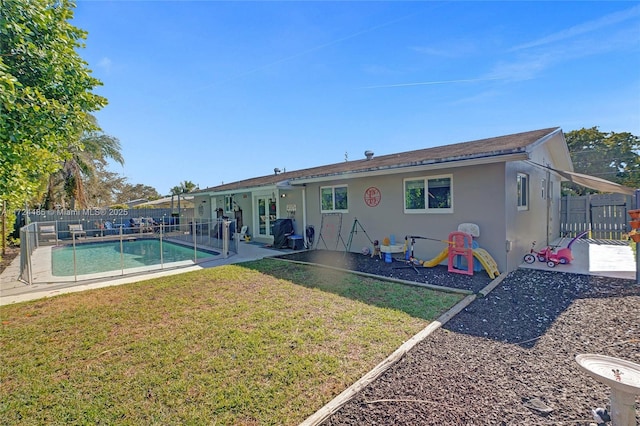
(334, 199)
(228, 203)
(428, 194)
(523, 191)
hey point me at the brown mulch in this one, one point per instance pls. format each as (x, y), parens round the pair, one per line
(10, 253)
(508, 358)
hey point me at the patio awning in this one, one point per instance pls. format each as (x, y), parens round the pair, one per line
(595, 182)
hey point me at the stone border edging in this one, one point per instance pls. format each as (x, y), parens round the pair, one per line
(381, 278)
(335, 404)
(493, 284)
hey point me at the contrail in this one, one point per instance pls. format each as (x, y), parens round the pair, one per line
(319, 47)
(430, 83)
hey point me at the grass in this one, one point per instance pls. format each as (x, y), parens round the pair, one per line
(264, 342)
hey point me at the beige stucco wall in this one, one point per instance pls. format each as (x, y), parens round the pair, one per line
(541, 222)
(477, 197)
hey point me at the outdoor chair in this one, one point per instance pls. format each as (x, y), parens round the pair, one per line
(48, 232)
(243, 232)
(109, 229)
(77, 231)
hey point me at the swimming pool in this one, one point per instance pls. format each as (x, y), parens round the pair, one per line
(91, 258)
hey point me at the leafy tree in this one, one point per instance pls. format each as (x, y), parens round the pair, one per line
(104, 187)
(611, 156)
(95, 150)
(45, 94)
(130, 192)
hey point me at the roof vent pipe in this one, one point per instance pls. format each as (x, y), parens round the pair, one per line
(368, 154)
(276, 170)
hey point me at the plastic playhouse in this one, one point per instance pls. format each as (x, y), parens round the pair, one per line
(463, 254)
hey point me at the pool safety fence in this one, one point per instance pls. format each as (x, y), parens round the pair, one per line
(97, 218)
(206, 238)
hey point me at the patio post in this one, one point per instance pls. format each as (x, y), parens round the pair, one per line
(637, 197)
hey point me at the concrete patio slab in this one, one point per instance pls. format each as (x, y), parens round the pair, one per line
(598, 258)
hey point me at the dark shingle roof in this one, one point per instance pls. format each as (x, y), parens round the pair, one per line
(491, 147)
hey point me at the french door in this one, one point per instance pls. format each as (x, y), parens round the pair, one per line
(266, 216)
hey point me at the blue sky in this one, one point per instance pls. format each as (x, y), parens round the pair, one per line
(213, 92)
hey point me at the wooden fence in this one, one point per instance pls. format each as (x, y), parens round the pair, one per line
(604, 215)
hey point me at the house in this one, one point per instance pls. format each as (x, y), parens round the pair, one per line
(508, 185)
(186, 202)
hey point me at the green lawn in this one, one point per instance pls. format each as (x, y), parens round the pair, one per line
(264, 342)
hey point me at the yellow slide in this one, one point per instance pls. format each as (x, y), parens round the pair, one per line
(487, 262)
(436, 260)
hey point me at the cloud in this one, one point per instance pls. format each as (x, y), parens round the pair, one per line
(105, 64)
(585, 28)
(433, 82)
(522, 69)
(450, 49)
(579, 41)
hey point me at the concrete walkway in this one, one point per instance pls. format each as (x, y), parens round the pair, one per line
(14, 291)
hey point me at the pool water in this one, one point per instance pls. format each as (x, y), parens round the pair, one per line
(94, 258)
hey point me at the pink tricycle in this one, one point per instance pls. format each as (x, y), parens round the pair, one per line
(550, 256)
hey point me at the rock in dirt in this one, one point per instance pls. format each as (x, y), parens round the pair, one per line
(537, 406)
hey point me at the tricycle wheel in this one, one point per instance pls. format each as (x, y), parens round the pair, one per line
(551, 264)
(529, 258)
(542, 258)
(563, 260)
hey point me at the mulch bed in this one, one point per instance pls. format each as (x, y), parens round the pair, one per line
(508, 358)
(11, 252)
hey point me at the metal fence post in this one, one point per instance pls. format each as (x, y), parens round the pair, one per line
(161, 251)
(75, 267)
(193, 235)
(29, 265)
(225, 238)
(121, 253)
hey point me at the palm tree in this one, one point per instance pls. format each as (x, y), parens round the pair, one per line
(94, 150)
(184, 188)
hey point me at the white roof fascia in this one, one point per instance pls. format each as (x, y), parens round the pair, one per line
(248, 190)
(423, 167)
(543, 139)
(567, 155)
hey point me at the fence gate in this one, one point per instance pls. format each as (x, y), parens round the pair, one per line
(605, 215)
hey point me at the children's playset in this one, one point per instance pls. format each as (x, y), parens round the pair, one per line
(463, 254)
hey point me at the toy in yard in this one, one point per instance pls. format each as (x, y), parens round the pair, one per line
(462, 261)
(409, 259)
(549, 255)
(460, 248)
(463, 250)
(376, 249)
(389, 246)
